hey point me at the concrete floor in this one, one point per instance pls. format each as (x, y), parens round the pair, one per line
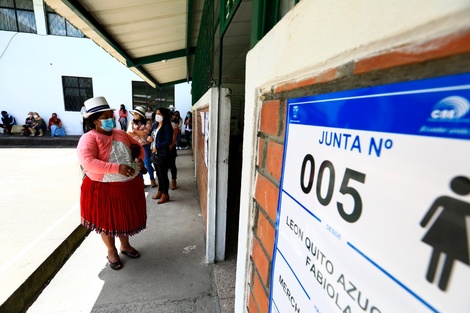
(40, 209)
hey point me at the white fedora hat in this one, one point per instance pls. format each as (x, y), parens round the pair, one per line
(139, 110)
(95, 105)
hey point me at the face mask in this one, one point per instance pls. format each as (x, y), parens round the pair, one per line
(188, 115)
(158, 118)
(35, 116)
(30, 116)
(108, 124)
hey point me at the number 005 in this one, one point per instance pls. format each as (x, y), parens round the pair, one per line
(345, 189)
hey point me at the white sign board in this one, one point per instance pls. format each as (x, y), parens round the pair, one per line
(375, 201)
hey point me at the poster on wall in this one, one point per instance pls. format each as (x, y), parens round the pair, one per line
(206, 137)
(203, 123)
(375, 201)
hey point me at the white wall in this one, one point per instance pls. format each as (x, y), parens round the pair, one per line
(31, 70)
(216, 152)
(312, 38)
(183, 98)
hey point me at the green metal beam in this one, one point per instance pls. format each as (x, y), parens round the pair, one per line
(81, 12)
(161, 57)
(257, 22)
(265, 15)
(189, 23)
(227, 12)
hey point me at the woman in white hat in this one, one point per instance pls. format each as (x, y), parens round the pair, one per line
(112, 200)
(140, 129)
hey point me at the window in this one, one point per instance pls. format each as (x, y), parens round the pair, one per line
(76, 91)
(57, 25)
(143, 94)
(17, 16)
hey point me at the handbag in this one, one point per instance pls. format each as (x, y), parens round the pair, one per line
(158, 158)
(153, 157)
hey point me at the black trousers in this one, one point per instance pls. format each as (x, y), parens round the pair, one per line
(162, 175)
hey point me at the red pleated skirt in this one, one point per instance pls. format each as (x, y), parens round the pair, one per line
(115, 209)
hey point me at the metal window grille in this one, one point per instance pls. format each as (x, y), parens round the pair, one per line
(17, 15)
(76, 91)
(205, 70)
(204, 58)
(56, 24)
(72, 31)
(8, 20)
(59, 26)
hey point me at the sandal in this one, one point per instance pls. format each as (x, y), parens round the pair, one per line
(116, 265)
(133, 255)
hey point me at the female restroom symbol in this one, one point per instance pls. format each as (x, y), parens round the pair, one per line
(448, 234)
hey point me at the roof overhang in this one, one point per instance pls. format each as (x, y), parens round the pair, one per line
(156, 39)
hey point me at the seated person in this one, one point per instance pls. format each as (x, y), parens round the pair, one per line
(7, 122)
(28, 123)
(39, 124)
(55, 126)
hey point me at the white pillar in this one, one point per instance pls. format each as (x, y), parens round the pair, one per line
(40, 16)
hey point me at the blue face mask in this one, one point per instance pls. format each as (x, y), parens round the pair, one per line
(108, 124)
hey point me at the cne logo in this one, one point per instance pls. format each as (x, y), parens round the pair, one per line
(450, 108)
(295, 111)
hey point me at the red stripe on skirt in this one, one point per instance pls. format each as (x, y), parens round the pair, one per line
(115, 209)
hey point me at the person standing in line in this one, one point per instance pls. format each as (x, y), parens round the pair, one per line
(140, 128)
(7, 122)
(161, 138)
(55, 126)
(188, 129)
(123, 117)
(149, 114)
(112, 199)
(179, 121)
(173, 153)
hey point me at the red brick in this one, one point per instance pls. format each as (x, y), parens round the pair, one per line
(270, 117)
(266, 194)
(261, 262)
(266, 234)
(260, 296)
(279, 88)
(284, 87)
(274, 159)
(305, 82)
(252, 308)
(409, 54)
(327, 76)
(320, 78)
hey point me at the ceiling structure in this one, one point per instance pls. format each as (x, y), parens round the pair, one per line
(236, 44)
(156, 39)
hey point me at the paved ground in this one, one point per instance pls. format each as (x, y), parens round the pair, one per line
(40, 211)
